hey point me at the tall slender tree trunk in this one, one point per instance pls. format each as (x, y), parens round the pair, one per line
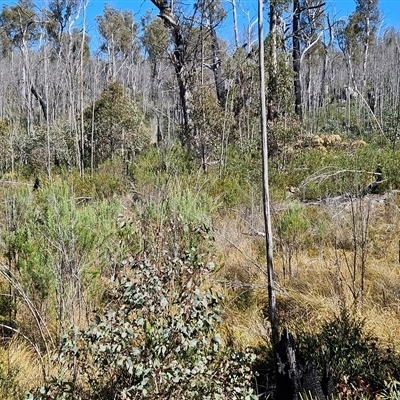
(266, 200)
(217, 68)
(296, 53)
(272, 111)
(47, 113)
(235, 23)
(81, 76)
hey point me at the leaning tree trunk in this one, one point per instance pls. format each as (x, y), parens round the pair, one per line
(181, 71)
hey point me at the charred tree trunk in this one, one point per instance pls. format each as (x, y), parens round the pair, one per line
(41, 101)
(179, 62)
(297, 57)
(295, 377)
(217, 69)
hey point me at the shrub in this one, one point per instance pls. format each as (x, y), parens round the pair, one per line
(113, 125)
(53, 245)
(352, 355)
(157, 339)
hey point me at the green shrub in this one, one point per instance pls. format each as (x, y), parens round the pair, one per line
(158, 338)
(350, 353)
(159, 164)
(56, 247)
(8, 381)
(291, 227)
(114, 124)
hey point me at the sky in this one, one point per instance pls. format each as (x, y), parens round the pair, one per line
(247, 13)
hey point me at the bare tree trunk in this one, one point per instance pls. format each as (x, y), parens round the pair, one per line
(46, 110)
(366, 51)
(296, 57)
(179, 62)
(39, 98)
(272, 112)
(235, 23)
(266, 200)
(327, 47)
(82, 139)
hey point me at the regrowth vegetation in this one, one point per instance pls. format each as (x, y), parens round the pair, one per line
(132, 248)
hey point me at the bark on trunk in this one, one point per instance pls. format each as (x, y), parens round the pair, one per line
(41, 101)
(272, 107)
(181, 71)
(217, 69)
(296, 58)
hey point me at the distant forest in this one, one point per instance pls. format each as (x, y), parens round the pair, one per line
(65, 101)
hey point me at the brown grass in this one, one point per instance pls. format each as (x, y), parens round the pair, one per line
(20, 368)
(321, 281)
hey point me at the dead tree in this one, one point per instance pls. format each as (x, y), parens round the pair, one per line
(178, 58)
(295, 377)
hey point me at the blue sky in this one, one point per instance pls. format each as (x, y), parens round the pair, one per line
(247, 12)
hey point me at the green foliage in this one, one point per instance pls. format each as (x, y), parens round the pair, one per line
(350, 353)
(392, 391)
(8, 383)
(157, 339)
(292, 222)
(291, 226)
(155, 37)
(18, 25)
(52, 244)
(117, 125)
(109, 179)
(211, 124)
(159, 164)
(118, 32)
(238, 183)
(323, 174)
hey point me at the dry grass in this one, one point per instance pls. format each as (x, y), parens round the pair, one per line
(20, 368)
(322, 271)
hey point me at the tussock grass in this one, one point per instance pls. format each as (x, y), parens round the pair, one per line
(322, 270)
(20, 369)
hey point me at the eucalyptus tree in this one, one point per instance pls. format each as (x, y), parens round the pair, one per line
(188, 35)
(365, 23)
(276, 49)
(115, 127)
(212, 14)
(64, 21)
(20, 29)
(155, 40)
(57, 18)
(307, 31)
(356, 37)
(119, 38)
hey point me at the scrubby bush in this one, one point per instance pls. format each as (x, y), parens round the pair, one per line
(354, 358)
(158, 338)
(55, 249)
(114, 125)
